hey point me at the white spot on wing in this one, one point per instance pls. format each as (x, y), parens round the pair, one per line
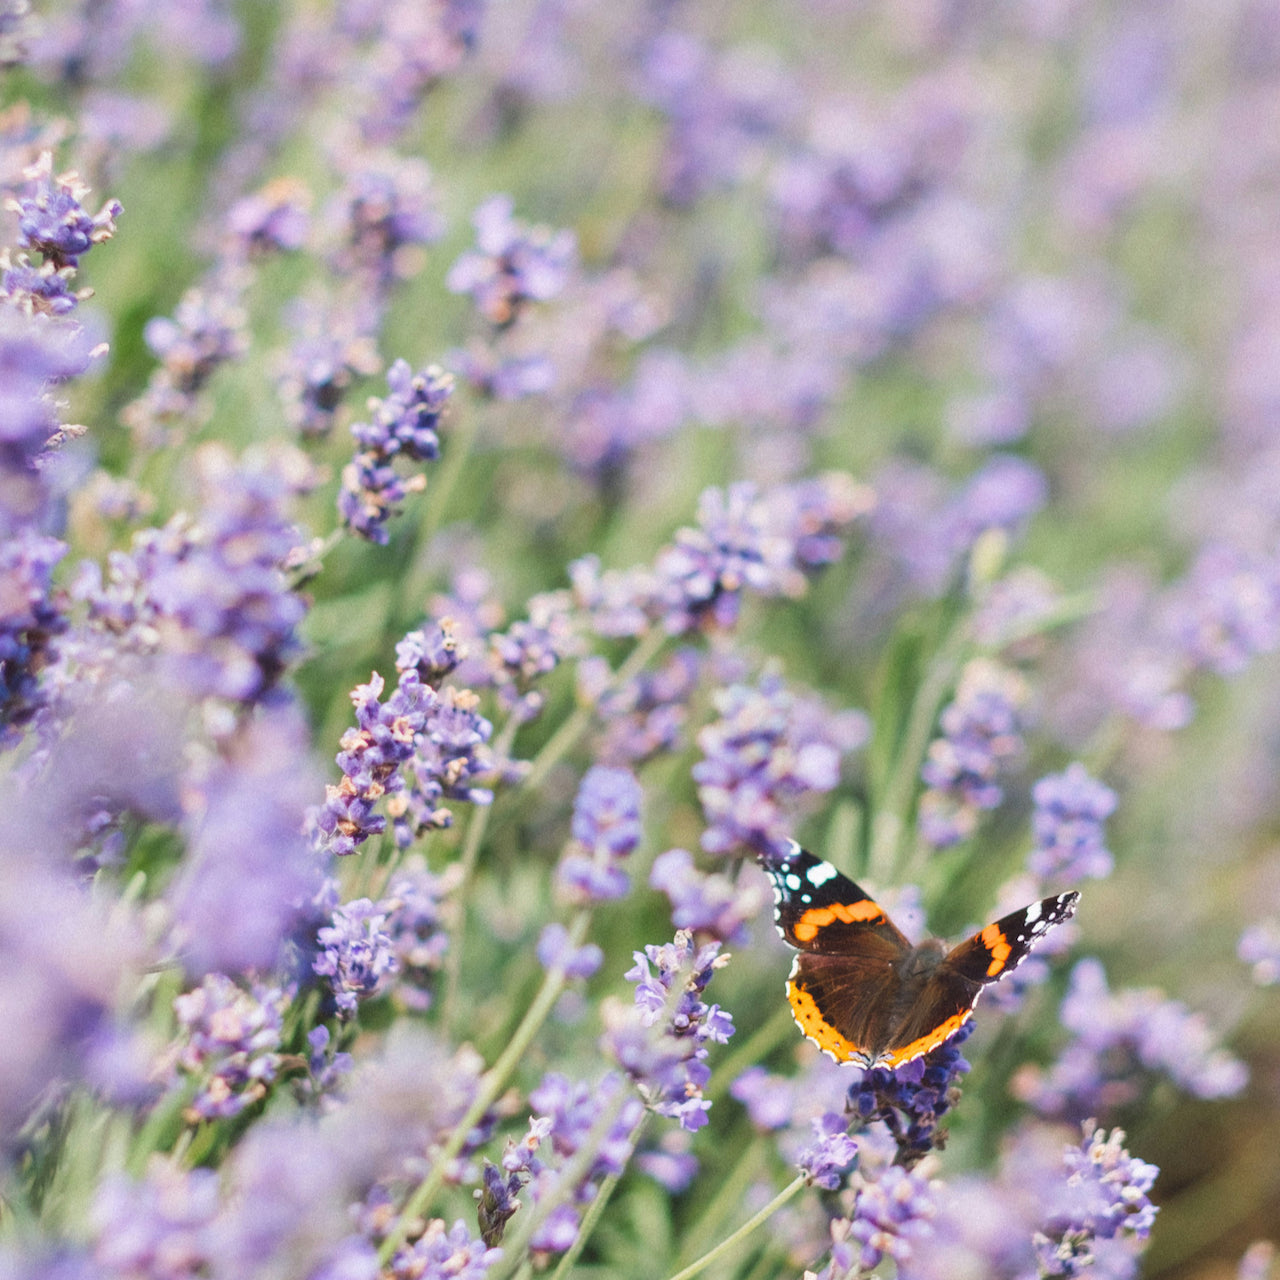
(821, 872)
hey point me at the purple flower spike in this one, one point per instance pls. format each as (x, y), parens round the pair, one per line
(981, 730)
(890, 1214)
(230, 1044)
(51, 220)
(829, 1160)
(358, 954)
(1071, 808)
(402, 426)
(912, 1099)
(441, 1253)
(1119, 1037)
(554, 952)
(707, 903)
(606, 829)
(1103, 1198)
(661, 1044)
(1259, 946)
(769, 749)
(512, 265)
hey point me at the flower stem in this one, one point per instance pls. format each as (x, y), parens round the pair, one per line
(756, 1219)
(476, 829)
(567, 735)
(491, 1087)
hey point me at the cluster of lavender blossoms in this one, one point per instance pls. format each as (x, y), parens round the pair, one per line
(773, 420)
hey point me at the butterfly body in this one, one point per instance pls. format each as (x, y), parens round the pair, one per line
(860, 990)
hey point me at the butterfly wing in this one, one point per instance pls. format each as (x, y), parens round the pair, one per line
(820, 910)
(843, 984)
(1002, 946)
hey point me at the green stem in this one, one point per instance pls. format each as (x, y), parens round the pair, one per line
(491, 1087)
(589, 1220)
(722, 1205)
(890, 823)
(476, 829)
(729, 1242)
(567, 735)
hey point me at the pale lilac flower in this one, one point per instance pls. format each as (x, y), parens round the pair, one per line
(662, 1043)
(769, 749)
(403, 425)
(606, 829)
(707, 903)
(1259, 946)
(414, 921)
(1101, 1208)
(30, 616)
(1118, 1038)
(1070, 809)
(229, 1044)
(893, 1211)
(249, 870)
(554, 952)
(513, 264)
(442, 1253)
(568, 1112)
(982, 729)
(828, 1161)
(156, 1228)
(356, 954)
(52, 220)
(273, 219)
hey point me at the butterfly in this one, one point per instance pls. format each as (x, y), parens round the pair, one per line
(859, 990)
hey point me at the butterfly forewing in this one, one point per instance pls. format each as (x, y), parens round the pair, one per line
(1003, 946)
(821, 911)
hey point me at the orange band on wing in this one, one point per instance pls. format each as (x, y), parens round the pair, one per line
(918, 1048)
(810, 1020)
(806, 928)
(994, 940)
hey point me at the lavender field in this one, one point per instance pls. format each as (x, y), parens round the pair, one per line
(479, 478)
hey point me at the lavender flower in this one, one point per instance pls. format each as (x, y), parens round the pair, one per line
(230, 1044)
(1259, 946)
(357, 956)
(892, 1212)
(442, 1253)
(313, 378)
(1117, 1038)
(710, 904)
(1071, 808)
(158, 1227)
(645, 716)
(371, 758)
(273, 219)
(606, 829)
(912, 1099)
(663, 1046)
(414, 921)
(35, 354)
(769, 749)
(209, 329)
(1102, 1208)
(249, 871)
(51, 219)
(982, 729)
(210, 594)
(30, 617)
(451, 755)
(512, 265)
(387, 213)
(828, 1161)
(403, 425)
(554, 952)
(570, 1116)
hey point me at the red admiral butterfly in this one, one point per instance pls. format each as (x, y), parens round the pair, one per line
(860, 991)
